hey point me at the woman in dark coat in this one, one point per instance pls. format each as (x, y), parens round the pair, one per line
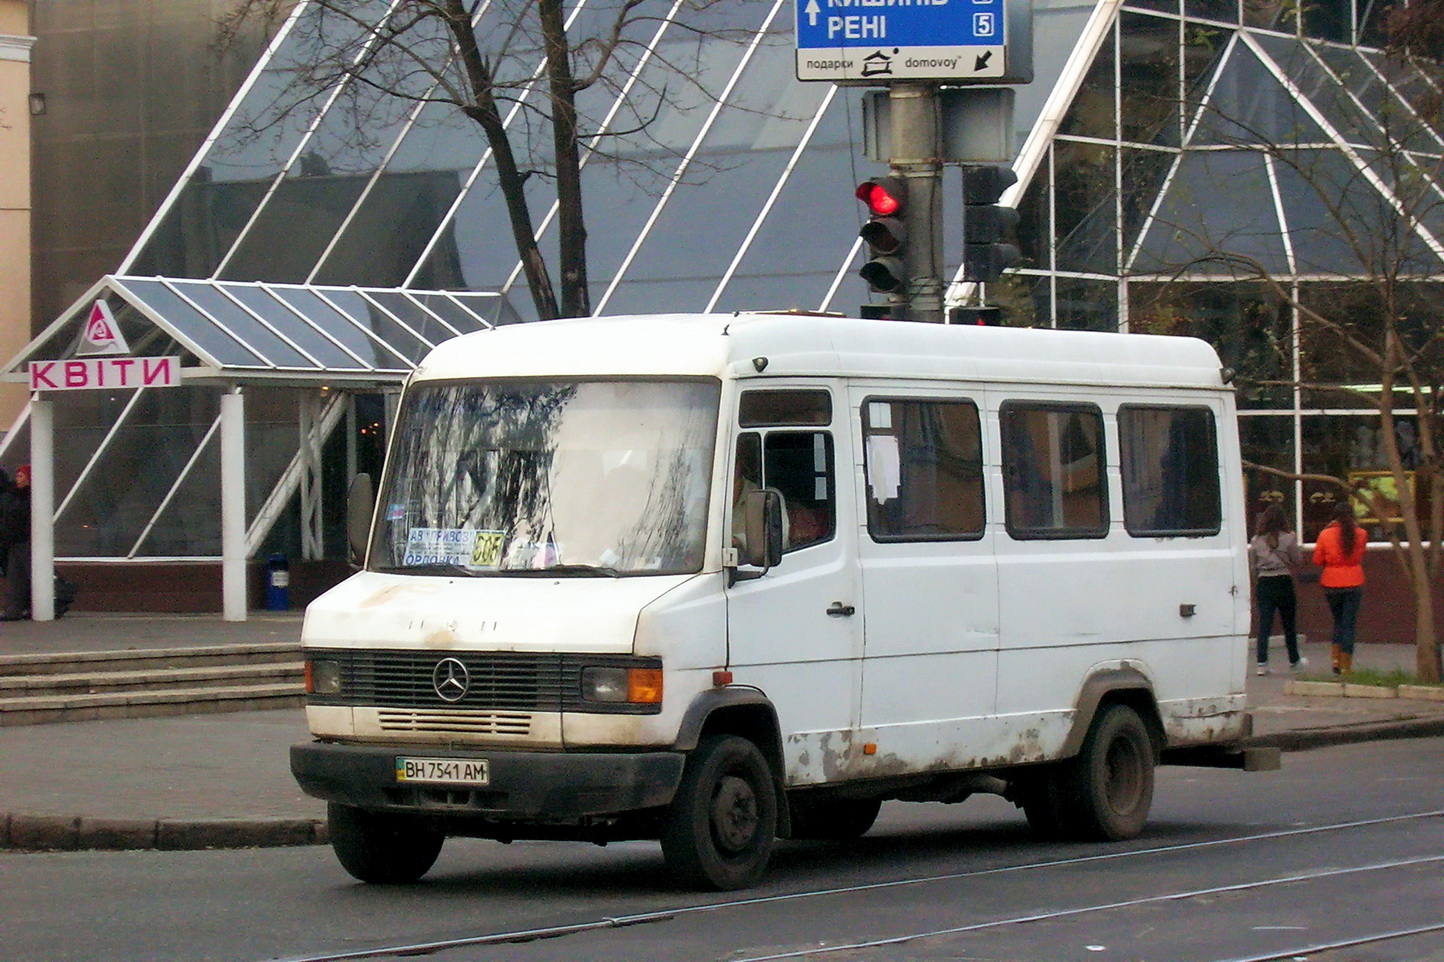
(15, 538)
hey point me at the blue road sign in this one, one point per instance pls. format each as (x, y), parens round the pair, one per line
(883, 40)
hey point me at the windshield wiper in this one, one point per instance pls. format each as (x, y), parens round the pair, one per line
(592, 571)
(436, 568)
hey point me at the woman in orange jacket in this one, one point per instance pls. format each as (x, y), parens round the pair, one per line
(1340, 552)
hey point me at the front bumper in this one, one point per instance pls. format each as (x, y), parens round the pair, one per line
(523, 786)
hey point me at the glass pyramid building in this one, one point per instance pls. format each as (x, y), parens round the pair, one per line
(1186, 166)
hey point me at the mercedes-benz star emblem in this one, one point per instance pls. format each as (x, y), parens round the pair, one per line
(450, 680)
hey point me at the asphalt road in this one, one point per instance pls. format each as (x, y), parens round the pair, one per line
(1344, 843)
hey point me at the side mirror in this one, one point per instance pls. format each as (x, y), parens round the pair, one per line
(762, 522)
(360, 506)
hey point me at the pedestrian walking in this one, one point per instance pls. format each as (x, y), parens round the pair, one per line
(1274, 556)
(15, 537)
(1339, 551)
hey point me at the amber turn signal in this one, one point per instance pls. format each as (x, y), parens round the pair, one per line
(644, 686)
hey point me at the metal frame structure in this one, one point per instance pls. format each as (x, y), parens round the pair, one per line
(740, 201)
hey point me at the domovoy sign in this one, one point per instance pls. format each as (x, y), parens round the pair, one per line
(879, 42)
(96, 365)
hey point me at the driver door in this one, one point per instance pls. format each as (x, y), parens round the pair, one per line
(795, 631)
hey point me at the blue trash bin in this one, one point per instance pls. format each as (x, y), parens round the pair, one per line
(278, 583)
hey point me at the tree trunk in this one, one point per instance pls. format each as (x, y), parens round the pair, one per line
(571, 227)
(509, 177)
(1412, 554)
(1426, 653)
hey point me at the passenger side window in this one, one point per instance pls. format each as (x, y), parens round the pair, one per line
(924, 461)
(1170, 471)
(1054, 471)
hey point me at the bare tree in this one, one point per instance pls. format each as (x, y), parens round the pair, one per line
(1366, 291)
(487, 59)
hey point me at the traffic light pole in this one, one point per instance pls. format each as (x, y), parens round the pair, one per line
(917, 156)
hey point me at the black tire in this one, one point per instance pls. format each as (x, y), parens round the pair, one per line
(1108, 789)
(835, 819)
(722, 823)
(380, 848)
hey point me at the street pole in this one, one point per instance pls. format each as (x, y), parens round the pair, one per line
(917, 155)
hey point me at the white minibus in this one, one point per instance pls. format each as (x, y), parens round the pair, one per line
(716, 580)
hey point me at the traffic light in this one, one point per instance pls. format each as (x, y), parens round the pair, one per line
(885, 232)
(985, 224)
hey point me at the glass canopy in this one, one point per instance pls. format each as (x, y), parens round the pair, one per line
(253, 330)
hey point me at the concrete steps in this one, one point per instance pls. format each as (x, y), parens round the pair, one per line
(39, 689)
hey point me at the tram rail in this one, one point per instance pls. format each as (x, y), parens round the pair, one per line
(645, 918)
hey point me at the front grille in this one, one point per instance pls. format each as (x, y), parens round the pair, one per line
(498, 681)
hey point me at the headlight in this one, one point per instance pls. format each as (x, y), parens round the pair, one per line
(638, 686)
(323, 677)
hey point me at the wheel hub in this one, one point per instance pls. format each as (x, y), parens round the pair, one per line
(734, 814)
(1125, 780)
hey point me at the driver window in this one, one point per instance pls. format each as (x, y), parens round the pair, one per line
(798, 466)
(795, 462)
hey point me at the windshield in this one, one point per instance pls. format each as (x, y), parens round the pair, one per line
(585, 478)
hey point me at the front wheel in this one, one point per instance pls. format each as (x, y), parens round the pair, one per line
(381, 848)
(723, 821)
(1108, 788)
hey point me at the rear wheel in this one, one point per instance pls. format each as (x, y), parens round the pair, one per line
(837, 819)
(723, 821)
(382, 848)
(1108, 788)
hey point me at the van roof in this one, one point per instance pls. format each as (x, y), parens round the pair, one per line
(732, 345)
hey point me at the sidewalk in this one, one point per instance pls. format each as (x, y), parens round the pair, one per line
(87, 631)
(217, 781)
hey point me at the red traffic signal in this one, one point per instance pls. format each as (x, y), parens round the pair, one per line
(884, 196)
(885, 233)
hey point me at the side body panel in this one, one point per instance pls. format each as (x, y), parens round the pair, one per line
(1171, 608)
(976, 651)
(930, 657)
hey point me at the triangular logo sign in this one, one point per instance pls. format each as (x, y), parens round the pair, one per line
(102, 334)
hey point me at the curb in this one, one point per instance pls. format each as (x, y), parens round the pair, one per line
(70, 833)
(1303, 739)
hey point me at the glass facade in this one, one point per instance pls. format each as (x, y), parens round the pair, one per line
(1209, 167)
(1261, 179)
(131, 91)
